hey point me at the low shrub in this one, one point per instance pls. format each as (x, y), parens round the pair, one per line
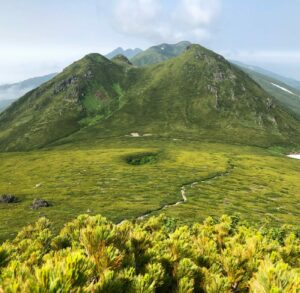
(91, 254)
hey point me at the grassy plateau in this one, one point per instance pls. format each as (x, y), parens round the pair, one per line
(124, 178)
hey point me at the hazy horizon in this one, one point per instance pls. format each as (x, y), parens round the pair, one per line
(39, 38)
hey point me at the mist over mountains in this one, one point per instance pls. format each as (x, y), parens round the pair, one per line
(11, 92)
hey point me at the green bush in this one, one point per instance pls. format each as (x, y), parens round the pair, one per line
(91, 254)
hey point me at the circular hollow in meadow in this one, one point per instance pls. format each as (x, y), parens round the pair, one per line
(142, 159)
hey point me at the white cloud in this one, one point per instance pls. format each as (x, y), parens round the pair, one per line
(198, 13)
(136, 16)
(163, 20)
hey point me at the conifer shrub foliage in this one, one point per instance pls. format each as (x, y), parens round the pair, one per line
(91, 254)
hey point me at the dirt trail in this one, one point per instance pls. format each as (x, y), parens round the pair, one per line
(190, 185)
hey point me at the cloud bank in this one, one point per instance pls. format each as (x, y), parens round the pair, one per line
(164, 20)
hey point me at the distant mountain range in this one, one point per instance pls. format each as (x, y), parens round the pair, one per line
(275, 85)
(190, 93)
(288, 81)
(160, 53)
(128, 53)
(10, 92)
(153, 55)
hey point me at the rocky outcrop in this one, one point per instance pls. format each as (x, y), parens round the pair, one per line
(8, 198)
(40, 203)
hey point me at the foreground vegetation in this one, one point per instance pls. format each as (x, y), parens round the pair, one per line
(91, 254)
(104, 178)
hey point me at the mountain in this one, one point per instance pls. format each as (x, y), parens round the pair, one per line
(85, 92)
(159, 53)
(284, 93)
(129, 53)
(286, 80)
(11, 92)
(196, 95)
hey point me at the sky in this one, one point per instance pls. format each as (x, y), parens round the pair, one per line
(40, 37)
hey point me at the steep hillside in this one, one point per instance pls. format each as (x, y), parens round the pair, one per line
(197, 95)
(284, 93)
(160, 53)
(286, 80)
(128, 53)
(83, 93)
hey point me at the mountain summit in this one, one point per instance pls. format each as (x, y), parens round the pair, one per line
(197, 95)
(159, 53)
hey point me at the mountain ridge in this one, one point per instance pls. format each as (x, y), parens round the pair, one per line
(128, 53)
(292, 82)
(197, 94)
(285, 94)
(159, 53)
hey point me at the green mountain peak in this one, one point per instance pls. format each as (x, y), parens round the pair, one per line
(196, 94)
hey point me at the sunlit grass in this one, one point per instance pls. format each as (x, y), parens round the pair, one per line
(97, 179)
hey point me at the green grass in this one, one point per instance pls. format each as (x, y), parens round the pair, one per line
(95, 178)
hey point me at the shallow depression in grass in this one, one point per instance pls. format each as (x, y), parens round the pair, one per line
(142, 159)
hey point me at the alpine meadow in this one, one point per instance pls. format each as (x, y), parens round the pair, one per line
(168, 169)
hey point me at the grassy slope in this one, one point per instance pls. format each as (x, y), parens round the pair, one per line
(195, 95)
(83, 93)
(200, 95)
(97, 179)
